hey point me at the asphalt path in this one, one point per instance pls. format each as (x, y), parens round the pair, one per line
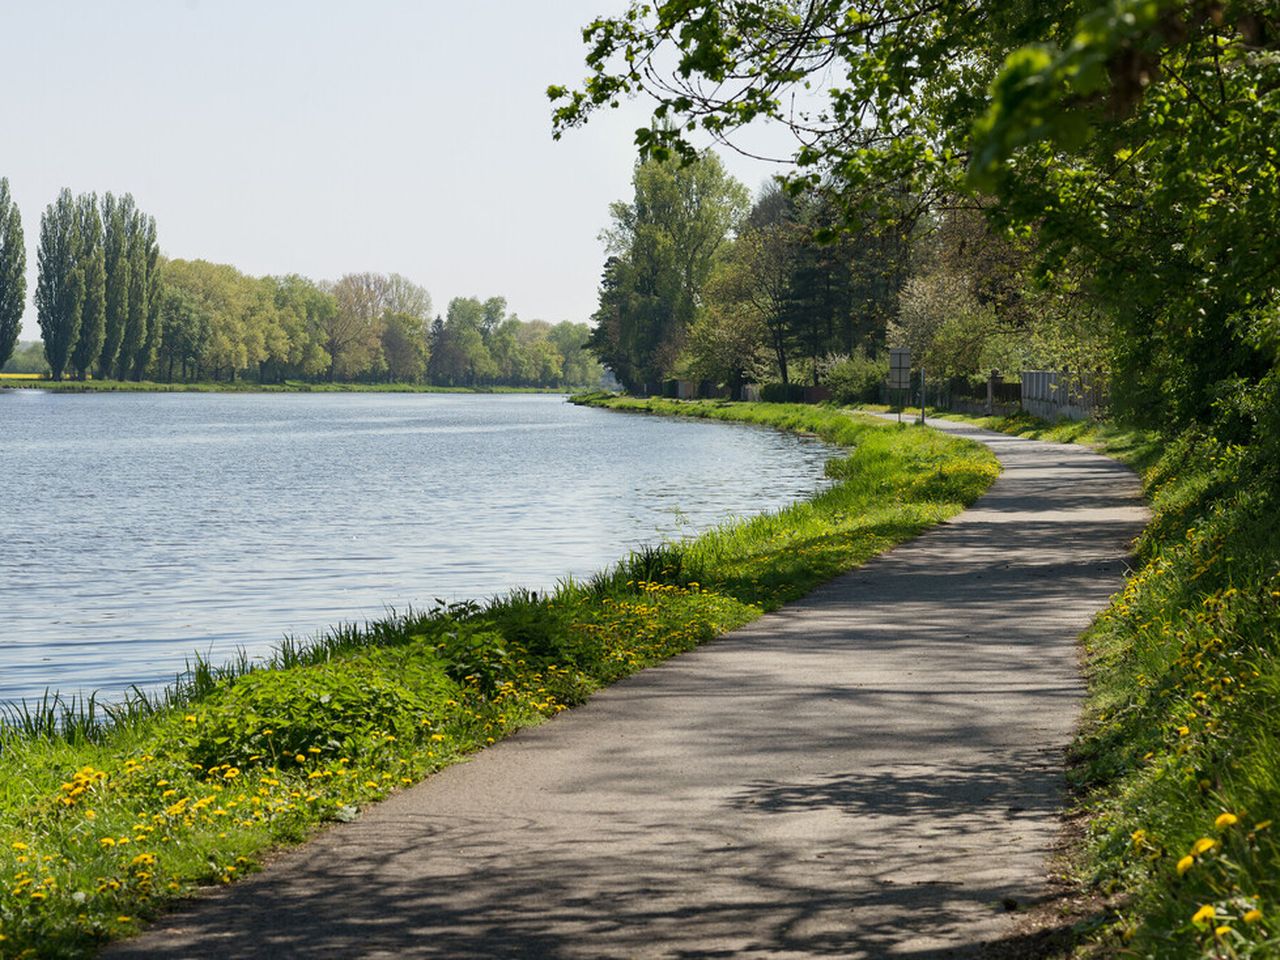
(873, 771)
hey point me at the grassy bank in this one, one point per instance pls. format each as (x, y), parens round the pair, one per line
(1178, 759)
(102, 823)
(20, 381)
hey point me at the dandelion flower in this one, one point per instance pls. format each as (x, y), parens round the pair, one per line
(1203, 916)
(1185, 864)
(1203, 845)
(1226, 820)
(1222, 931)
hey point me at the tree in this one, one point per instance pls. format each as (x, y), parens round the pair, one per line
(579, 368)
(404, 346)
(663, 245)
(351, 332)
(141, 251)
(117, 216)
(459, 355)
(89, 342)
(59, 282)
(13, 273)
(186, 332)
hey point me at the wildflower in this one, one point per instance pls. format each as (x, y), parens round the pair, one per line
(301, 758)
(1183, 731)
(19, 845)
(1263, 825)
(1226, 820)
(108, 841)
(1203, 916)
(1252, 916)
(1185, 864)
(230, 773)
(1203, 845)
(1221, 931)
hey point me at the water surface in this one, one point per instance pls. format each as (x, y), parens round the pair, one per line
(138, 528)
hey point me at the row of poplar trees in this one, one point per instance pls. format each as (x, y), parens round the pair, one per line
(97, 296)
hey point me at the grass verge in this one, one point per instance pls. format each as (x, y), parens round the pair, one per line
(104, 820)
(1178, 759)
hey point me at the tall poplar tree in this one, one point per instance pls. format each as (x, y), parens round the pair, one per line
(151, 345)
(13, 273)
(134, 341)
(59, 284)
(88, 346)
(117, 213)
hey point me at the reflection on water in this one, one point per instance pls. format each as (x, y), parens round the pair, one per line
(137, 528)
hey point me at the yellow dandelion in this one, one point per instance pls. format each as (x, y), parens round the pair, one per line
(230, 774)
(1185, 864)
(1221, 931)
(1203, 916)
(1252, 916)
(1263, 825)
(1203, 845)
(108, 841)
(301, 758)
(1226, 820)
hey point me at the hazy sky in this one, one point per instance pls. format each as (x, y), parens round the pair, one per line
(325, 137)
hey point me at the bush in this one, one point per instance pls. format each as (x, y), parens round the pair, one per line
(855, 378)
(782, 393)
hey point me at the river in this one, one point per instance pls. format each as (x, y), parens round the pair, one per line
(136, 529)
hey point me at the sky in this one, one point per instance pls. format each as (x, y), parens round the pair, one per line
(326, 137)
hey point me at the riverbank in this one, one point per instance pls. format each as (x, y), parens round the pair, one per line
(101, 823)
(1177, 763)
(25, 382)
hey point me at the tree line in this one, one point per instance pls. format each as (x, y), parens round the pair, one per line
(702, 283)
(110, 305)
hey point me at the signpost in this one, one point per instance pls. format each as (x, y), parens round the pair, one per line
(899, 373)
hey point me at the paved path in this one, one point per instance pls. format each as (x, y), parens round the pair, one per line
(867, 773)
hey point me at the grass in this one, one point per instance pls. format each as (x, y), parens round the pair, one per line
(106, 814)
(31, 381)
(1178, 759)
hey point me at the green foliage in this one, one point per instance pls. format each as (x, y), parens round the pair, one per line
(1186, 667)
(855, 379)
(93, 307)
(268, 717)
(117, 215)
(663, 245)
(59, 283)
(13, 274)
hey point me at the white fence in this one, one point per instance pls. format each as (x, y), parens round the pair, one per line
(1061, 395)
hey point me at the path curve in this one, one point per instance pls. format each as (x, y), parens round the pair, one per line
(868, 772)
